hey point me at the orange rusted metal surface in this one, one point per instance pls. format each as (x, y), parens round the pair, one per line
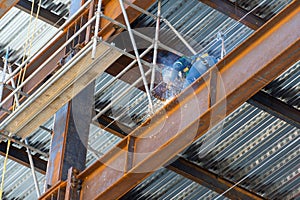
(243, 72)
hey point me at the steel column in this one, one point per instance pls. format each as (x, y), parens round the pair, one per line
(280, 36)
(69, 141)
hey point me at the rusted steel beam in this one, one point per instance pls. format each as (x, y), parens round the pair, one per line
(20, 156)
(112, 9)
(56, 192)
(264, 55)
(276, 108)
(44, 15)
(196, 173)
(6, 5)
(234, 11)
(210, 180)
(113, 127)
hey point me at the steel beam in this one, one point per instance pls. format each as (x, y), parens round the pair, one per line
(265, 55)
(277, 108)
(192, 171)
(20, 156)
(234, 11)
(180, 166)
(6, 5)
(210, 180)
(44, 15)
(70, 136)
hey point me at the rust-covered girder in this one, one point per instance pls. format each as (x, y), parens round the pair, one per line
(234, 11)
(243, 72)
(44, 15)
(20, 156)
(188, 169)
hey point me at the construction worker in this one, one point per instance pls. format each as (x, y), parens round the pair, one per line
(189, 69)
(200, 65)
(181, 74)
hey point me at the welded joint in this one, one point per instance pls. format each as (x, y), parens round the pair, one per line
(130, 153)
(74, 185)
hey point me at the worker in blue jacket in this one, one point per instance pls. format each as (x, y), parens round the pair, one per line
(192, 67)
(182, 73)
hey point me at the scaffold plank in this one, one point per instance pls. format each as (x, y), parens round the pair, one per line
(60, 91)
(112, 10)
(246, 70)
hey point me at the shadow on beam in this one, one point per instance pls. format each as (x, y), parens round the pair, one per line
(20, 156)
(210, 180)
(275, 107)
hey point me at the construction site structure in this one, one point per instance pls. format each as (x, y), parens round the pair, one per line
(81, 104)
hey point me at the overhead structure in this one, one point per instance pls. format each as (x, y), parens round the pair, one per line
(45, 14)
(163, 145)
(157, 141)
(170, 140)
(236, 12)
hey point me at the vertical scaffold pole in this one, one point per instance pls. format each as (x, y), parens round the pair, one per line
(155, 44)
(3, 73)
(137, 55)
(98, 15)
(33, 170)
